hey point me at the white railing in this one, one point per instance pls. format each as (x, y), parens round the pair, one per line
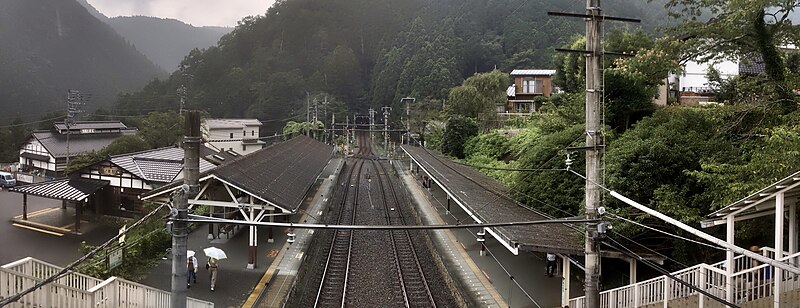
(751, 282)
(18, 276)
(41, 270)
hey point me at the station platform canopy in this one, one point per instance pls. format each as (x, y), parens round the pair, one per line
(488, 201)
(69, 189)
(279, 175)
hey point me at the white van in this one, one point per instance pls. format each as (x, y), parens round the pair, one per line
(7, 179)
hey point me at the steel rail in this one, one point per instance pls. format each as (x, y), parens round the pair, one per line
(337, 240)
(406, 236)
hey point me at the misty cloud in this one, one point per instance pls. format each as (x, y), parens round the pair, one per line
(195, 12)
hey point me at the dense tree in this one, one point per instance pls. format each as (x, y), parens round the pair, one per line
(457, 131)
(161, 129)
(749, 30)
(479, 95)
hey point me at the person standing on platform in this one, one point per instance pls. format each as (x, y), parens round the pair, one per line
(191, 273)
(551, 265)
(212, 266)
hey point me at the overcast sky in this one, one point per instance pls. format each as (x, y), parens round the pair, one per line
(195, 12)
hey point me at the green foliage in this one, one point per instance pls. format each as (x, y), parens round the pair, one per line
(161, 129)
(144, 247)
(651, 162)
(12, 139)
(629, 98)
(478, 95)
(490, 145)
(741, 30)
(122, 145)
(126, 144)
(457, 131)
(504, 176)
(293, 128)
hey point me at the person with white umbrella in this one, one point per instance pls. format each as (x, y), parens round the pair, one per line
(191, 273)
(214, 254)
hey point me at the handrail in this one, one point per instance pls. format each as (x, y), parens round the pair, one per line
(90, 292)
(103, 284)
(18, 262)
(702, 266)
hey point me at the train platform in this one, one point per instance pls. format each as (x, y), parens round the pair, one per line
(276, 283)
(471, 279)
(518, 280)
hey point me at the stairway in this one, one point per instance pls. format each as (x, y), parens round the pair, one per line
(78, 290)
(753, 285)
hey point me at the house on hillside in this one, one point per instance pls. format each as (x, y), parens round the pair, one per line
(238, 135)
(528, 84)
(46, 152)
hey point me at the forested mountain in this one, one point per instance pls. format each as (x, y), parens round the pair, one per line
(368, 53)
(164, 41)
(50, 46)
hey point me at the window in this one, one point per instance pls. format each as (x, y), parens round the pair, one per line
(244, 133)
(530, 85)
(231, 135)
(244, 148)
(252, 133)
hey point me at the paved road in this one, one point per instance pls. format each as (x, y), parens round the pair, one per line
(59, 250)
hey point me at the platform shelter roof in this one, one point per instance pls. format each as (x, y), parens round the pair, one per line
(280, 175)
(489, 201)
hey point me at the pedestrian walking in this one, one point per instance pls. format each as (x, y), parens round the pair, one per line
(191, 273)
(212, 266)
(551, 265)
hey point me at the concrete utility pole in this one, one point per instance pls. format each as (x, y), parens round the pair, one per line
(386, 110)
(372, 113)
(593, 153)
(408, 101)
(308, 113)
(315, 120)
(325, 118)
(594, 139)
(191, 164)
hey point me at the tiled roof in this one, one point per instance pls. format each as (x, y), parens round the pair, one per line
(56, 143)
(158, 165)
(476, 193)
(230, 123)
(72, 189)
(281, 173)
(533, 72)
(752, 65)
(92, 125)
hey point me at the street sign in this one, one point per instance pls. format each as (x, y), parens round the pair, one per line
(115, 258)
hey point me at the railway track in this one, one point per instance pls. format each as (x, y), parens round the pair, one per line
(333, 289)
(414, 286)
(371, 268)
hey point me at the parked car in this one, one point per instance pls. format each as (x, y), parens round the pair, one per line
(7, 179)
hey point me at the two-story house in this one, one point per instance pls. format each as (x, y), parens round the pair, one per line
(47, 151)
(238, 135)
(528, 84)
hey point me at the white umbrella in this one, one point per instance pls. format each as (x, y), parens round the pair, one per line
(189, 253)
(216, 253)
